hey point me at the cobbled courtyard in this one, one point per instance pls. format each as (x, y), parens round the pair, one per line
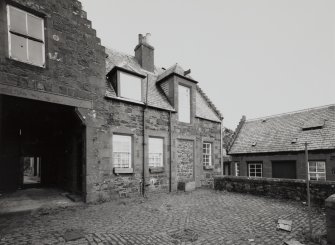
(199, 217)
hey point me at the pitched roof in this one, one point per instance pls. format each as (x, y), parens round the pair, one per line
(156, 97)
(288, 132)
(175, 69)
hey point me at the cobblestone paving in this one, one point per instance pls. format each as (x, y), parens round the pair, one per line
(213, 217)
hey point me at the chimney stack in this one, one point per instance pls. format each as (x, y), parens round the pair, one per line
(144, 52)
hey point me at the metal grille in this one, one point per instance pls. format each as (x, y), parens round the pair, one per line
(155, 159)
(121, 159)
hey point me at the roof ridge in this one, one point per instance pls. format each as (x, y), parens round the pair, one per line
(290, 113)
(209, 102)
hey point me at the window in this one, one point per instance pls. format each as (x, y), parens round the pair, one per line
(237, 169)
(25, 37)
(130, 86)
(317, 170)
(122, 152)
(184, 104)
(207, 154)
(255, 169)
(155, 152)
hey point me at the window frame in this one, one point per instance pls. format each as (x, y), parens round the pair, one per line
(190, 103)
(130, 166)
(25, 36)
(210, 155)
(119, 85)
(316, 172)
(163, 151)
(255, 163)
(237, 168)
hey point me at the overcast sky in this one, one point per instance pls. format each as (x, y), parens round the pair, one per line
(251, 57)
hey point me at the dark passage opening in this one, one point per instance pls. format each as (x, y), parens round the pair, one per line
(284, 169)
(40, 144)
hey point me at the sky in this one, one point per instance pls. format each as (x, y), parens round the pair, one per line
(251, 57)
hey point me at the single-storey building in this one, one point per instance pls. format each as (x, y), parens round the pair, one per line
(274, 146)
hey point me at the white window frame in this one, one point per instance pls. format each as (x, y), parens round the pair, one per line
(320, 176)
(255, 165)
(237, 169)
(122, 87)
(184, 114)
(25, 36)
(123, 155)
(207, 154)
(155, 159)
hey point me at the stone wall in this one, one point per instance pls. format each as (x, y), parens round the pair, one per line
(75, 60)
(277, 188)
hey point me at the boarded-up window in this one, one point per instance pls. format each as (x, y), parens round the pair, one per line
(26, 37)
(130, 87)
(184, 104)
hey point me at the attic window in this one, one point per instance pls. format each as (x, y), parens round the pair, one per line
(313, 124)
(254, 143)
(264, 120)
(295, 140)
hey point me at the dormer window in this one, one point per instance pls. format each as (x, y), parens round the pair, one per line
(184, 104)
(130, 86)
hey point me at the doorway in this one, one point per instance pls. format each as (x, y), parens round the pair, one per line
(31, 171)
(40, 144)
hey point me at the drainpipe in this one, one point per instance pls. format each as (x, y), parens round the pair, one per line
(144, 142)
(221, 141)
(170, 128)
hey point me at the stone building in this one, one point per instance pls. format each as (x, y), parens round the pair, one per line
(68, 122)
(274, 146)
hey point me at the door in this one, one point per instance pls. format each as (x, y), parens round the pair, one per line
(284, 169)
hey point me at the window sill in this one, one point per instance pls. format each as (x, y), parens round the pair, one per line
(155, 170)
(26, 64)
(208, 167)
(123, 170)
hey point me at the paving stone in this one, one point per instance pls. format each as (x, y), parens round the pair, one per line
(215, 218)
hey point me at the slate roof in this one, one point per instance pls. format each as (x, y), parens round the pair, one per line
(156, 97)
(276, 133)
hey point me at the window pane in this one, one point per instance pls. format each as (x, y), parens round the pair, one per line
(35, 27)
(35, 51)
(17, 20)
(18, 47)
(155, 152)
(312, 176)
(122, 151)
(321, 166)
(130, 87)
(184, 104)
(312, 168)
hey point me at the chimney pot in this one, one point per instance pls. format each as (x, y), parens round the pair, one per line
(147, 38)
(140, 38)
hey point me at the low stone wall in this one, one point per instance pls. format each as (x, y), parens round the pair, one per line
(277, 188)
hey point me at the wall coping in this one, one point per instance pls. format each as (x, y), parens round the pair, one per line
(272, 180)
